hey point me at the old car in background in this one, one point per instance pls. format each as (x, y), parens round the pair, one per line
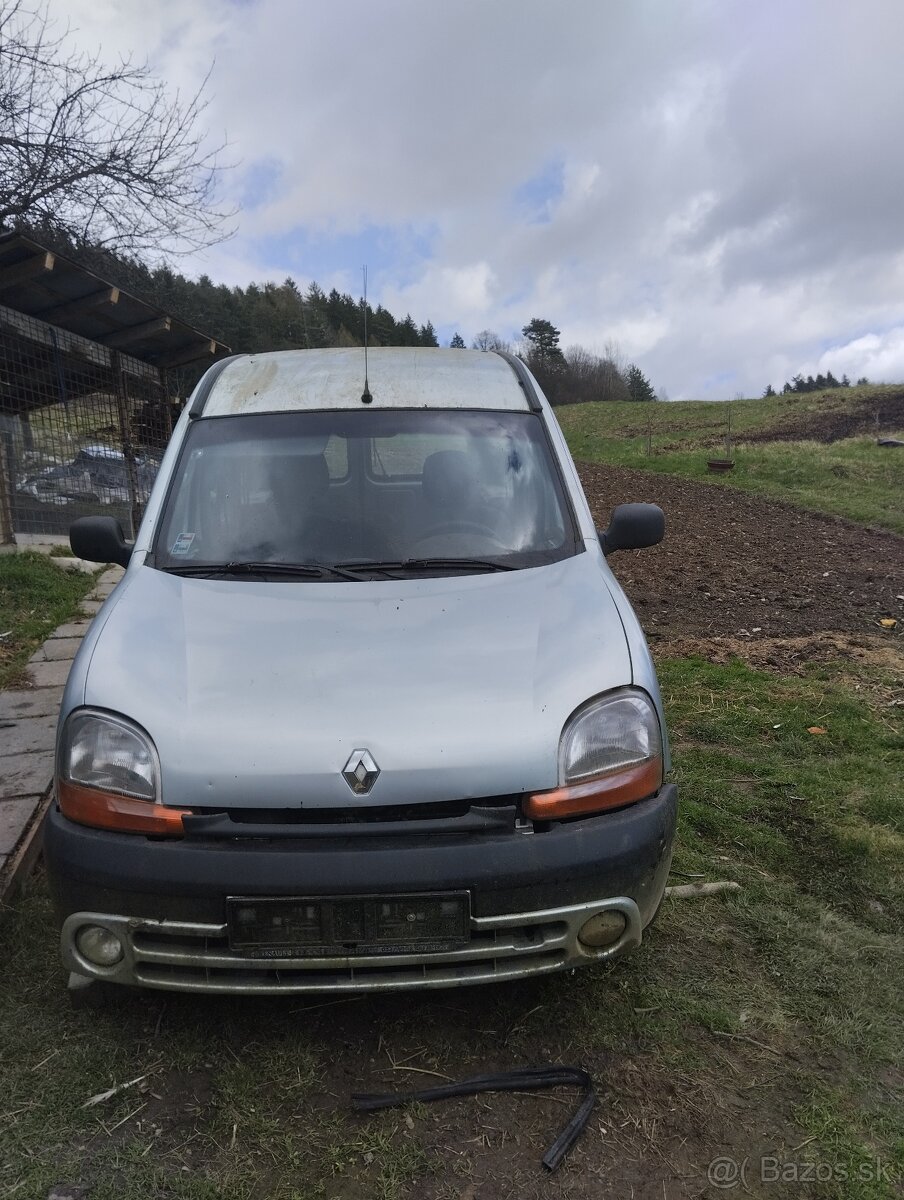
(97, 474)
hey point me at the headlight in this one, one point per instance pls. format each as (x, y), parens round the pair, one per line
(108, 776)
(102, 751)
(610, 755)
(615, 732)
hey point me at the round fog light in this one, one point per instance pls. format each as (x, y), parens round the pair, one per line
(602, 929)
(98, 945)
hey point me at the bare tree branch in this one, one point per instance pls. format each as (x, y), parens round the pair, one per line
(488, 339)
(101, 153)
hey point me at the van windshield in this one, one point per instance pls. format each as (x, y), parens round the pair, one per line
(352, 488)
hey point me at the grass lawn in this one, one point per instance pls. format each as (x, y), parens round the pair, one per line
(762, 1022)
(35, 597)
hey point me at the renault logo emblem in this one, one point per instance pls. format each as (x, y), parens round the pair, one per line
(360, 772)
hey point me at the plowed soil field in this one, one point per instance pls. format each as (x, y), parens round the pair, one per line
(734, 565)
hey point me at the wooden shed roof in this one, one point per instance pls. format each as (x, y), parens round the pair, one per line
(40, 283)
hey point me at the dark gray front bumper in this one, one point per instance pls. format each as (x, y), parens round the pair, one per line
(529, 895)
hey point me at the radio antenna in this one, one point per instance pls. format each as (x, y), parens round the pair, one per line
(366, 397)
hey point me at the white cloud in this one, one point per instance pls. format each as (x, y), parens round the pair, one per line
(730, 192)
(464, 293)
(878, 356)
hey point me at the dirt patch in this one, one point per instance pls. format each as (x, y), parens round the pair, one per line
(738, 566)
(872, 416)
(653, 1132)
(876, 664)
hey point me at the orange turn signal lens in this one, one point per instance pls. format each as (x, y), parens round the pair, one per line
(125, 814)
(597, 795)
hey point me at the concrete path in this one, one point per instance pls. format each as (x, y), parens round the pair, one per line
(28, 718)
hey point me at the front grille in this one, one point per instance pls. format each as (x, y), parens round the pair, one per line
(456, 817)
(357, 815)
(352, 978)
(205, 962)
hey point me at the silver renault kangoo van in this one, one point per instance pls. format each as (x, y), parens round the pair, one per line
(368, 709)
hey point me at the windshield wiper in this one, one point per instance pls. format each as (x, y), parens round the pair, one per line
(287, 569)
(355, 571)
(425, 564)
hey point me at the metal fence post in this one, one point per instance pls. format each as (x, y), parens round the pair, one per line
(6, 516)
(125, 437)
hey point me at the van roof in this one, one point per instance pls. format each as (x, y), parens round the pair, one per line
(398, 377)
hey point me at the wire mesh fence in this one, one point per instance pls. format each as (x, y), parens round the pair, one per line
(82, 428)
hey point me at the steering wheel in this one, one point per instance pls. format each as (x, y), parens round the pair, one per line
(357, 540)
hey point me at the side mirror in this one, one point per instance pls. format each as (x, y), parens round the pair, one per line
(100, 540)
(632, 527)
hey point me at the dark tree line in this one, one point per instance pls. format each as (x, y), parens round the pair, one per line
(281, 316)
(572, 376)
(820, 383)
(578, 375)
(259, 317)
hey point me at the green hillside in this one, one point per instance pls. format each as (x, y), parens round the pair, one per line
(818, 416)
(816, 450)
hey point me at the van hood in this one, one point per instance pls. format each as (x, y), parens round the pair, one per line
(256, 693)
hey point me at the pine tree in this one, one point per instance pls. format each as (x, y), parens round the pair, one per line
(313, 306)
(639, 387)
(457, 343)
(407, 332)
(543, 338)
(382, 327)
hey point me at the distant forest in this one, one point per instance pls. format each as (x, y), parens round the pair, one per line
(257, 317)
(271, 316)
(820, 383)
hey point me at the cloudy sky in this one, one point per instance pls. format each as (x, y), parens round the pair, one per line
(715, 185)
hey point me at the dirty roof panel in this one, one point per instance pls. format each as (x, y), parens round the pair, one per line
(399, 377)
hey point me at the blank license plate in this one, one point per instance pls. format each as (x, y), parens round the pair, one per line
(299, 927)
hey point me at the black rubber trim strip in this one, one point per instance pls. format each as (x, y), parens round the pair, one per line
(523, 1079)
(220, 825)
(533, 400)
(205, 387)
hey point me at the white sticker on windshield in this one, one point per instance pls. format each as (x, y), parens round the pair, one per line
(182, 544)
